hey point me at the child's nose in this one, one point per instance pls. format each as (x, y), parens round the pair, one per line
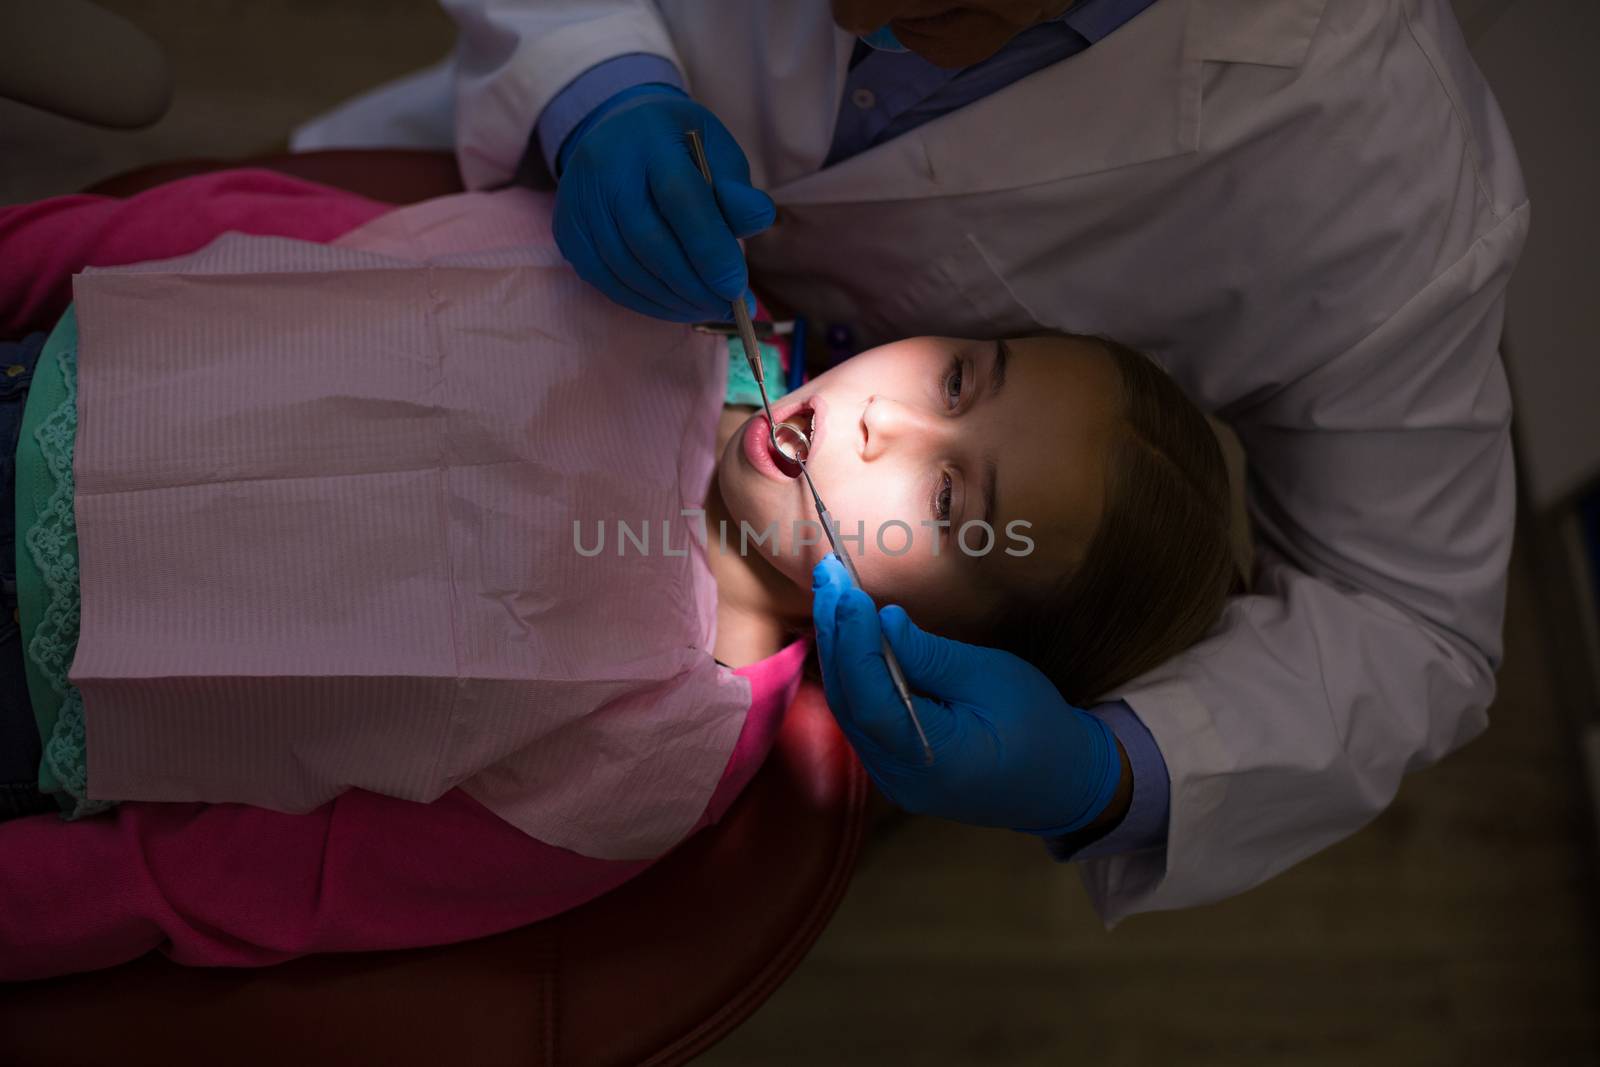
(887, 423)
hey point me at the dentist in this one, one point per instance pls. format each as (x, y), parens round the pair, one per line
(1306, 210)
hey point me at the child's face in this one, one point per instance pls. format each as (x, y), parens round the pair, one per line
(928, 430)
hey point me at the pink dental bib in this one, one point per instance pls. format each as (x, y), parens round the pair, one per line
(326, 501)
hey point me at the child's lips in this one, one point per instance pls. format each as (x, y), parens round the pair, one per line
(757, 441)
(757, 448)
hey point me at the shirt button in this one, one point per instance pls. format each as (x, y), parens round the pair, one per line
(863, 98)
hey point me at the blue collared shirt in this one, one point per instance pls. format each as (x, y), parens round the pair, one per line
(887, 94)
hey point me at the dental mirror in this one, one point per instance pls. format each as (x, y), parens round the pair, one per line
(791, 442)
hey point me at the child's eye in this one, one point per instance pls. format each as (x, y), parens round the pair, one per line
(941, 499)
(953, 382)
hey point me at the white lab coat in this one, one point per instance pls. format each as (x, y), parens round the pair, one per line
(1307, 210)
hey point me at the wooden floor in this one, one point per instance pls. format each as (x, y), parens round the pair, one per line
(1462, 927)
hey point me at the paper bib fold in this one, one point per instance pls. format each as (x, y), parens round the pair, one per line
(326, 500)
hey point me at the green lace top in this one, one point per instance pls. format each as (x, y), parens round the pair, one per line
(47, 552)
(47, 568)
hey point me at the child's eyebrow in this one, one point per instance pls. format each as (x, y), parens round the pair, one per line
(997, 382)
(997, 371)
(989, 481)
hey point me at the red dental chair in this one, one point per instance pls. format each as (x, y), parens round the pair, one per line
(654, 972)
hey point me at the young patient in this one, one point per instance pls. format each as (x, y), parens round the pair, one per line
(1103, 486)
(1054, 496)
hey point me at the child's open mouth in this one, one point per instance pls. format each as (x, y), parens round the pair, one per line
(792, 446)
(802, 417)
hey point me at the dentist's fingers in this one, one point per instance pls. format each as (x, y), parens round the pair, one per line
(830, 569)
(944, 669)
(875, 709)
(934, 669)
(747, 209)
(826, 590)
(709, 254)
(630, 264)
(653, 236)
(586, 258)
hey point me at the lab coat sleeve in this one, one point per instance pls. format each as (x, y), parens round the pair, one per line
(514, 56)
(1382, 498)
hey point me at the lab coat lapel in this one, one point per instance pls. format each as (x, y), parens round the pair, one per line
(772, 72)
(1063, 121)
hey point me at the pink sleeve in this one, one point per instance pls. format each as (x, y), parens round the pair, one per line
(43, 244)
(230, 885)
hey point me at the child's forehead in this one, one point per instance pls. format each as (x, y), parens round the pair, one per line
(1052, 427)
(1060, 379)
(1082, 353)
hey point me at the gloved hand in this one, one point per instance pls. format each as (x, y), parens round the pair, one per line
(1008, 750)
(637, 220)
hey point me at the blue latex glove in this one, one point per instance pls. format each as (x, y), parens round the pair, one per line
(637, 220)
(1008, 750)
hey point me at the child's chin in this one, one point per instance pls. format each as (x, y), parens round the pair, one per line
(796, 567)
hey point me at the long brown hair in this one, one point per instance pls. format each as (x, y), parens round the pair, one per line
(1161, 564)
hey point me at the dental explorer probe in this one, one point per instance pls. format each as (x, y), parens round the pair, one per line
(741, 314)
(799, 451)
(889, 658)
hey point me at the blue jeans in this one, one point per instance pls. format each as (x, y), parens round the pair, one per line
(19, 736)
